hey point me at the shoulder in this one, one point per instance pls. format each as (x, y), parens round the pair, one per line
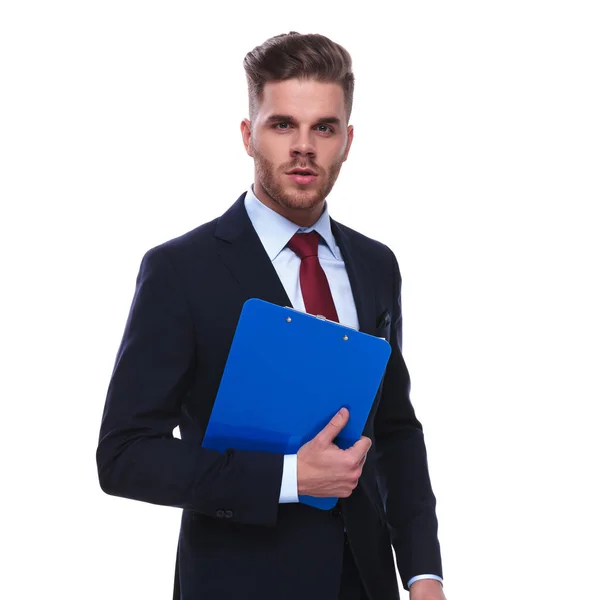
(200, 243)
(190, 244)
(180, 255)
(364, 244)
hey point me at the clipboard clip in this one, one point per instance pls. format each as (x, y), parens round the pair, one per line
(322, 318)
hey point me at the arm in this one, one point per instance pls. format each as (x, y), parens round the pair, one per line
(402, 464)
(138, 457)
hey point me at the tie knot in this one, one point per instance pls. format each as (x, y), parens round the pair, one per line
(305, 244)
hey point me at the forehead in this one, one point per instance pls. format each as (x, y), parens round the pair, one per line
(303, 99)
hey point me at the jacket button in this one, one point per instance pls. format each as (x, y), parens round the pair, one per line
(220, 514)
(336, 511)
(228, 514)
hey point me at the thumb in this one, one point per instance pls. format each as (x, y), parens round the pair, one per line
(333, 428)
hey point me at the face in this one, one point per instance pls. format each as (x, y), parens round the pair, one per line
(300, 126)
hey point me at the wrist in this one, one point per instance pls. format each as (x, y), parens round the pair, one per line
(300, 476)
(427, 589)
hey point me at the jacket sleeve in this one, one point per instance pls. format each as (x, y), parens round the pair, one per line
(403, 474)
(137, 456)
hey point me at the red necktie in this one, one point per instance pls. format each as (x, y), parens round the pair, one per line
(313, 281)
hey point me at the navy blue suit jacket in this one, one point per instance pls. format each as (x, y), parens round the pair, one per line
(236, 540)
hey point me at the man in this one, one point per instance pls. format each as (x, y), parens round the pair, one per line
(243, 533)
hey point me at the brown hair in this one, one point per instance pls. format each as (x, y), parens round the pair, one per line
(295, 55)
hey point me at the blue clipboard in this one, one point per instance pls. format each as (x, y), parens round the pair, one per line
(286, 375)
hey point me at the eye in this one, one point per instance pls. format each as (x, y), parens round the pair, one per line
(278, 126)
(325, 128)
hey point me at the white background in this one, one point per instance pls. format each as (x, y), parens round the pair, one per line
(476, 158)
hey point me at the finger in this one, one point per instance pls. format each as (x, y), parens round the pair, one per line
(361, 447)
(333, 428)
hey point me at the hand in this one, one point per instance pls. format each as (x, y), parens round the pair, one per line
(326, 471)
(427, 589)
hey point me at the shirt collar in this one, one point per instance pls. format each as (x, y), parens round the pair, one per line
(275, 231)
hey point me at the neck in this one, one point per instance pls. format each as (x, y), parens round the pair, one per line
(302, 216)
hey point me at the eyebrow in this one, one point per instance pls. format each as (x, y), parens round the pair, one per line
(289, 118)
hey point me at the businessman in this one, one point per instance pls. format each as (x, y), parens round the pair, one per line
(243, 534)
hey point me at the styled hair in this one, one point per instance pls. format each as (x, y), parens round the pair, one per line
(302, 56)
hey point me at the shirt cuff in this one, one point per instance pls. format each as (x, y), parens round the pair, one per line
(289, 481)
(418, 577)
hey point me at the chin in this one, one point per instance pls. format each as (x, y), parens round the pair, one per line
(302, 199)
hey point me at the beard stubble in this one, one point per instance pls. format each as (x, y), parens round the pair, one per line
(299, 199)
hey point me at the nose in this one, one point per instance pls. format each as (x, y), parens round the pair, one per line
(303, 145)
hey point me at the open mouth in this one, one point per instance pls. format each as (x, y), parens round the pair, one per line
(302, 176)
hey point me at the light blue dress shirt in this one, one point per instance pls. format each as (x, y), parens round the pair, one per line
(275, 231)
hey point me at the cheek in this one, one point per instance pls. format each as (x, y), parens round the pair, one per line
(275, 151)
(334, 156)
(335, 149)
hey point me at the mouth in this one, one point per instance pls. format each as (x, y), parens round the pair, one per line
(302, 176)
(301, 171)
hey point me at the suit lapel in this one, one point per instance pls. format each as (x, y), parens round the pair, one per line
(242, 252)
(361, 280)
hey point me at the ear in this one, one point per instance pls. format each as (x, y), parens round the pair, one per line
(349, 142)
(246, 129)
